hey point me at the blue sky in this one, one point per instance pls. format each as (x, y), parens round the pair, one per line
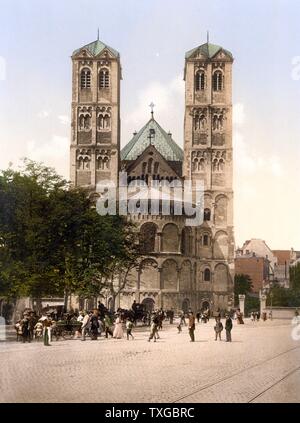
(38, 37)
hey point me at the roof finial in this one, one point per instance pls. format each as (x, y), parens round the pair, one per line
(98, 35)
(152, 105)
(207, 37)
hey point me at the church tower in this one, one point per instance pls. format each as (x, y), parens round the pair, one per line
(208, 158)
(95, 143)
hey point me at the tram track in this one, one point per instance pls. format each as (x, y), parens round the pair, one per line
(231, 376)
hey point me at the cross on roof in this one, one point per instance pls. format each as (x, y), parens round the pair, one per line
(152, 105)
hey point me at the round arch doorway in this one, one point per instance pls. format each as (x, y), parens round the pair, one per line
(185, 305)
(148, 303)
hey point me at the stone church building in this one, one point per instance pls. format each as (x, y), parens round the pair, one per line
(183, 266)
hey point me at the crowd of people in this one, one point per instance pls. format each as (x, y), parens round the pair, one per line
(93, 324)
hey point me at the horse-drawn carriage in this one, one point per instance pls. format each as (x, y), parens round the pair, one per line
(65, 329)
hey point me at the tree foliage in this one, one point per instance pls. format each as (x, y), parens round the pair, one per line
(53, 241)
(242, 286)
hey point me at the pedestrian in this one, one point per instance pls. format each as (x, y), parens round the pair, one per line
(85, 324)
(192, 326)
(228, 328)
(171, 315)
(129, 327)
(107, 326)
(252, 315)
(94, 325)
(218, 328)
(47, 323)
(32, 322)
(239, 316)
(198, 316)
(118, 331)
(25, 324)
(38, 330)
(182, 319)
(154, 328)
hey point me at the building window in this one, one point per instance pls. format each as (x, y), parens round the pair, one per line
(206, 275)
(104, 78)
(218, 81)
(206, 240)
(85, 78)
(200, 81)
(207, 214)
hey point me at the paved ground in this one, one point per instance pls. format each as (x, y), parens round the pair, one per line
(262, 364)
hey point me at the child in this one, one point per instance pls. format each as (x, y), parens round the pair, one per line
(129, 327)
(218, 328)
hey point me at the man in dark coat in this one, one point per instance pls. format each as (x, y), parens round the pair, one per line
(192, 326)
(94, 325)
(25, 324)
(228, 328)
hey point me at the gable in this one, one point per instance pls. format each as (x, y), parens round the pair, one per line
(162, 141)
(222, 55)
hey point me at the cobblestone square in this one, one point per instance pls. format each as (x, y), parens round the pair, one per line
(262, 364)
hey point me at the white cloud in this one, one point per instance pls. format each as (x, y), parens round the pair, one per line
(54, 153)
(43, 114)
(64, 119)
(238, 112)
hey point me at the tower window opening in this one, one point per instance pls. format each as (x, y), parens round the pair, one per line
(85, 78)
(104, 78)
(200, 81)
(218, 81)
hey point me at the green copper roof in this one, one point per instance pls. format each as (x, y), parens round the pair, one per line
(208, 50)
(96, 47)
(162, 141)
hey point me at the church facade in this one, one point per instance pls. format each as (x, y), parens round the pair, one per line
(182, 266)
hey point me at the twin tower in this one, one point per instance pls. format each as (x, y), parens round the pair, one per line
(207, 156)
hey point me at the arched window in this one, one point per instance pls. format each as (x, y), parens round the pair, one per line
(150, 161)
(206, 275)
(206, 240)
(147, 237)
(207, 214)
(85, 78)
(104, 78)
(218, 81)
(221, 165)
(200, 81)
(201, 165)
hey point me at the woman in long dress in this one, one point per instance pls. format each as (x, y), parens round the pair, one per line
(118, 330)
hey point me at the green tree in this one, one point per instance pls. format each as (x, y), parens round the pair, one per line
(295, 277)
(242, 285)
(53, 242)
